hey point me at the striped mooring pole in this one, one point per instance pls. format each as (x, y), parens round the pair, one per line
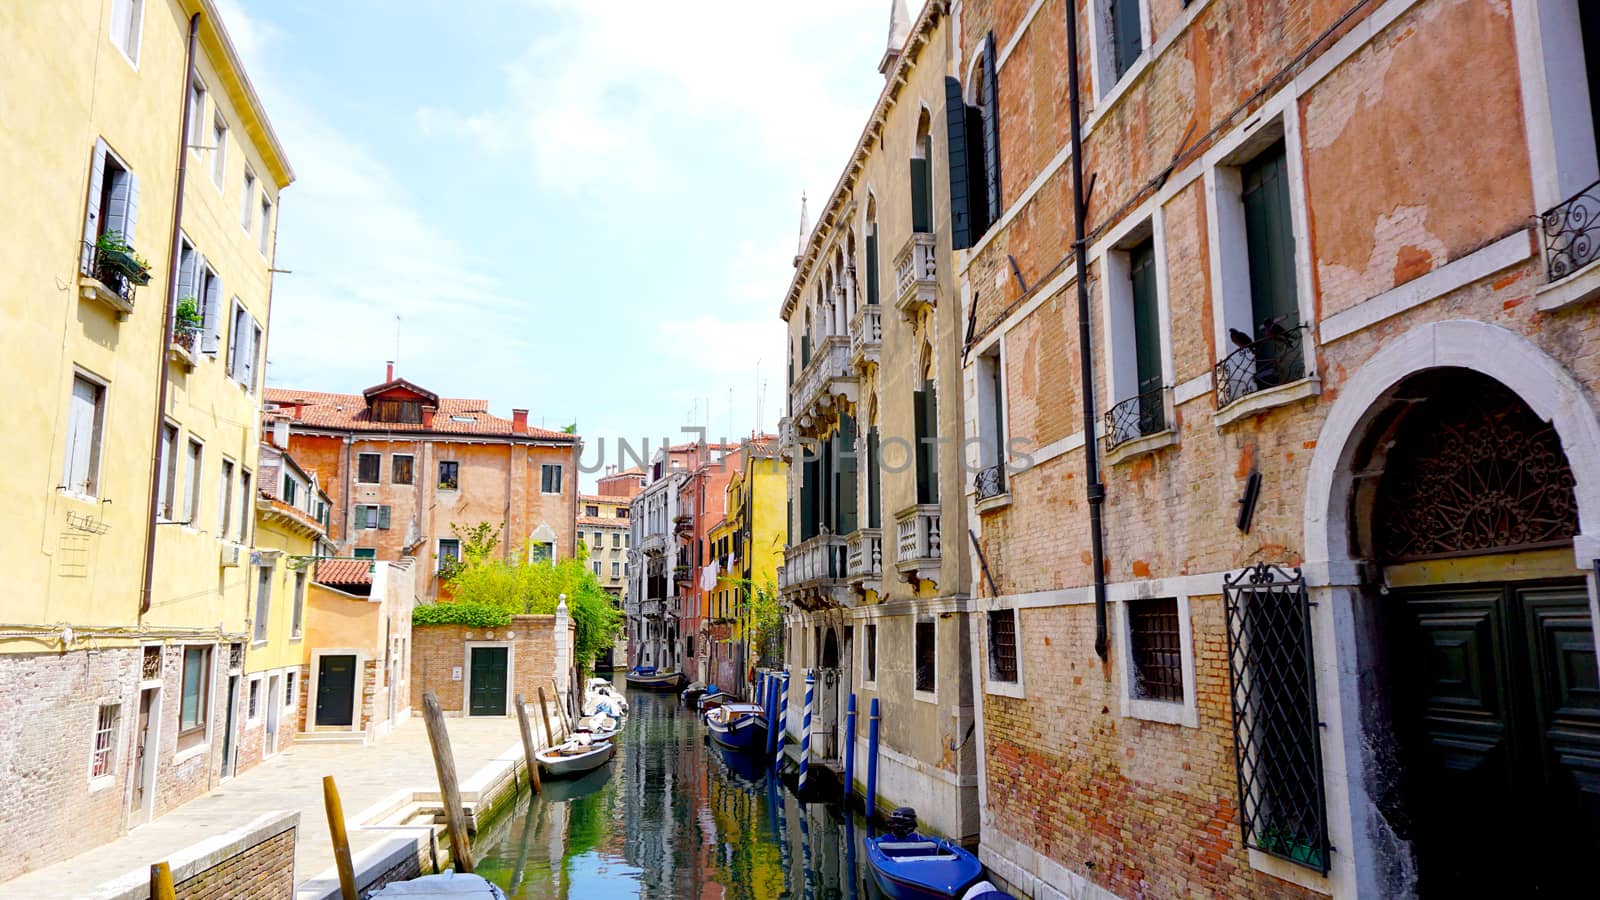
(783, 720)
(872, 761)
(805, 730)
(772, 715)
(849, 750)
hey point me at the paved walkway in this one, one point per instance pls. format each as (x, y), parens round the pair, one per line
(292, 780)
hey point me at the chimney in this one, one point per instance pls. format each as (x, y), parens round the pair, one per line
(388, 371)
(299, 406)
(519, 421)
(280, 433)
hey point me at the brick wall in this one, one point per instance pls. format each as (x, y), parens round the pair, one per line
(264, 870)
(438, 649)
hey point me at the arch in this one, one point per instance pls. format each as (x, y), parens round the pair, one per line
(1507, 357)
(830, 649)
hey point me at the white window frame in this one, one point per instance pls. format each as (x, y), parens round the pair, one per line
(297, 620)
(219, 149)
(132, 37)
(991, 685)
(1561, 142)
(247, 201)
(197, 112)
(254, 683)
(1119, 351)
(96, 438)
(1102, 56)
(265, 241)
(1167, 712)
(167, 475)
(194, 468)
(209, 696)
(229, 472)
(113, 745)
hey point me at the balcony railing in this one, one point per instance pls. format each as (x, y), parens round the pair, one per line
(866, 555)
(1572, 233)
(682, 574)
(1136, 417)
(916, 272)
(990, 481)
(866, 334)
(918, 543)
(813, 572)
(1273, 360)
(829, 368)
(117, 274)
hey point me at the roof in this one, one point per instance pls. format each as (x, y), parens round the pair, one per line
(401, 384)
(613, 499)
(348, 412)
(343, 571)
(219, 47)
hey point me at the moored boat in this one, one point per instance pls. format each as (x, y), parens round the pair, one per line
(649, 679)
(575, 756)
(738, 726)
(910, 866)
(600, 694)
(713, 698)
(445, 884)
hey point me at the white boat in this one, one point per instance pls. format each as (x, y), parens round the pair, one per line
(579, 754)
(600, 727)
(601, 696)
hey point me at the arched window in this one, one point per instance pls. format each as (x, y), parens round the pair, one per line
(922, 178)
(871, 261)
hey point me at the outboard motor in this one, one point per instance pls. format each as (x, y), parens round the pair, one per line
(902, 822)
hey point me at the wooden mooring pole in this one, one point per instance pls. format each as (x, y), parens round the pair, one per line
(444, 762)
(549, 729)
(341, 840)
(161, 882)
(561, 708)
(527, 746)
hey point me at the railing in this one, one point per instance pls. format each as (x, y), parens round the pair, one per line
(917, 534)
(1136, 417)
(682, 573)
(866, 553)
(990, 481)
(1572, 233)
(916, 266)
(830, 360)
(821, 558)
(866, 332)
(185, 336)
(1268, 362)
(114, 270)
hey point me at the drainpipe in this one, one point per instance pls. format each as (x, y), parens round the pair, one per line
(1094, 490)
(166, 328)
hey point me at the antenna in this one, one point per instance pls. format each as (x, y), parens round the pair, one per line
(397, 340)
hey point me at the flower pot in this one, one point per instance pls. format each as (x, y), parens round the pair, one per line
(124, 264)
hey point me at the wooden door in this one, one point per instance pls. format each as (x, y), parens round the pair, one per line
(1503, 758)
(141, 782)
(336, 690)
(487, 691)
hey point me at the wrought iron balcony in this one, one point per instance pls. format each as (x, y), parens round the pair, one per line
(1270, 361)
(866, 335)
(866, 558)
(813, 572)
(1136, 417)
(827, 373)
(682, 574)
(110, 277)
(916, 273)
(1572, 233)
(185, 345)
(990, 481)
(918, 545)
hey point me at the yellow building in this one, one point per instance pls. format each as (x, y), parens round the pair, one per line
(141, 170)
(747, 547)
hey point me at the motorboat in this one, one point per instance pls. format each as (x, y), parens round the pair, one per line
(911, 866)
(598, 693)
(599, 727)
(578, 754)
(713, 698)
(446, 884)
(650, 679)
(738, 726)
(692, 693)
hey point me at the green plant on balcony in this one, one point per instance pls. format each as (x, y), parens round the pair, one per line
(113, 252)
(188, 316)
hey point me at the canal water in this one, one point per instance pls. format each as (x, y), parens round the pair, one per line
(673, 815)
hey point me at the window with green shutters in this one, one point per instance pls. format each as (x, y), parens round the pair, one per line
(872, 263)
(874, 488)
(926, 406)
(846, 445)
(1147, 336)
(922, 186)
(372, 516)
(989, 114)
(1269, 235)
(550, 479)
(810, 471)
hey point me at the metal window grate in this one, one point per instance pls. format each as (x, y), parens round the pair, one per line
(1003, 645)
(236, 655)
(253, 706)
(151, 668)
(105, 739)
(1156, 646)
(1276, 736)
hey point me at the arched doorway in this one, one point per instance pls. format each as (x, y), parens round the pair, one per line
(1484, 720)
(830, 649)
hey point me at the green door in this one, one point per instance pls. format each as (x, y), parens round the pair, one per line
(487, 692)
(1500, 734)
(336, 690)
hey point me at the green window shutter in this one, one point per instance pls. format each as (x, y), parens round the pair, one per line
(827, 484)
(874, 515)
(955, 115)
(1125, 34)
(808, 497)
(847, 475)
(872, 268)
(805, 349)
(1146, 317)
(927, 455)
(361, 517)
(991, 130)
(1270, 238)
(383, 517)
(921, 203)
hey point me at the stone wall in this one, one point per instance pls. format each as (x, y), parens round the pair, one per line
(439, 649)
(255, 860)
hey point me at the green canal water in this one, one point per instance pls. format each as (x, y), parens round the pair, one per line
(673, 815)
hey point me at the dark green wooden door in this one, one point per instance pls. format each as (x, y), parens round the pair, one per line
(1501, 731)
(1147, 337)
(336, 690)
(1269, 234)
(487, 691)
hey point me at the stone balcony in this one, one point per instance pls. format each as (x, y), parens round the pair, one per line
(916, 274)
(865, 572)
(813, 573)
(826, 375)
(918, 549)
(866, 336)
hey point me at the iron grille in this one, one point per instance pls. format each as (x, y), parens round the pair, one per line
(236, 655)
(991, 481)
(150, 670)
(1155, 644)
(1003, 644)
(1276, 738)
(114, 270)
(105, 737)
(1270, 361)
(1136, 417)
(1570, 232)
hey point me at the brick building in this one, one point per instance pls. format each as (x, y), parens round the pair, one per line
(404, 465)
(1341, 340)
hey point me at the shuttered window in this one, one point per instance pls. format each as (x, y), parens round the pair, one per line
(247, 205)
(225, 499)
(874, 488)
(85, 421)
(168, 474)
(847, 518)
(1270, 237)
(210, 312)
(246, 504)
(113, 203)
(402, 468)
(921, 189)
(368, 467)
(127, 19)
(263, 602)
(872, 263)
(926, 411)
(810, 472)
(1126, 36)
(550, 479)
(989, 103)
(191, 485)
(968, 201)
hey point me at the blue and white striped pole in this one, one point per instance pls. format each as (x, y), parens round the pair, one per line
(772, 716)
(805, 729)
(783, 720)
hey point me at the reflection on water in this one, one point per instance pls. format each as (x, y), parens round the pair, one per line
(673, 815)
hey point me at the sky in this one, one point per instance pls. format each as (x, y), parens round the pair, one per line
(586, 209)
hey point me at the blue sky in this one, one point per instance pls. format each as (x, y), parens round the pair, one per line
(584, 208)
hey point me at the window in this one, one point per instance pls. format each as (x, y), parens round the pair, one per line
(288, 689)
(263, 601)
(86, 416)
(266, 222)
(1119, 38)
(408, 412)
(542, 551)
(253, 705)
(616, 539)
(296, 622)
(591, 511)
(242, 352)
(1273, 295)
(616, 570)
(368, 466)
(925, 405)
(247, 203)
(225, 499)
(246, 501)
(622, 512)
(1155, 650)
(289, 486)
(127, 18)
(197, 113)
(922, 180)
(103, 756)
(597, 568)
(988, 97)
(372, 516)
(449, 552)
(191, 485)
(449, 475)
(210, 302)
(869, 650)
(550, 479)
(168, 474)
(219, 149)
(401, 468)
(927, 655)
(1003, 645)
(1137, 381)
(365, 553)
(194, 707)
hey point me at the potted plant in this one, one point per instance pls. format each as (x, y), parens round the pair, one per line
(186, 323)
(113, 253)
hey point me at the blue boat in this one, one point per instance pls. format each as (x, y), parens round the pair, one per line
(738, 726)
(650, 679)
(910, 866)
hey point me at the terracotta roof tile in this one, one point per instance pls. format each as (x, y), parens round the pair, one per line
(344, 571)
(348, 412)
